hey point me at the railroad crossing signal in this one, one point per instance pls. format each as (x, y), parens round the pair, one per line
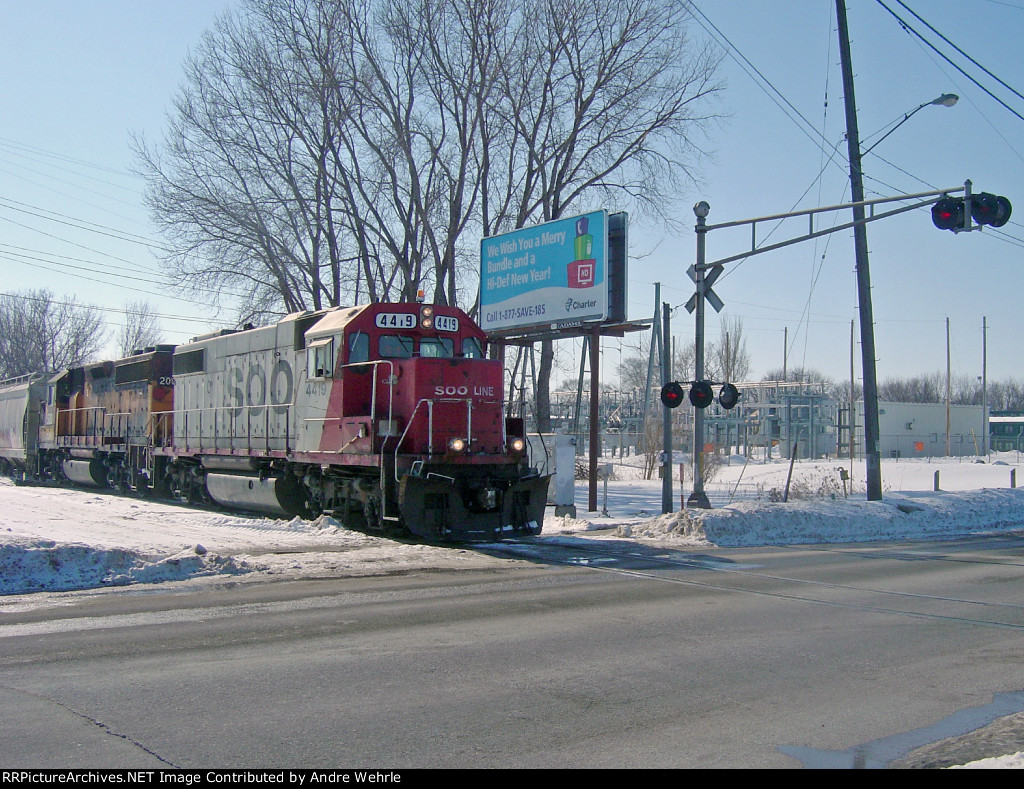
(993, 210)
(701, 394)
(672, 394)
(728, 396)
(710, 275)
(950, 213)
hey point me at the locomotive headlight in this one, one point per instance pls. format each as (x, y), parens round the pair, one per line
(426, 317)
(457, 445)
(517, 445)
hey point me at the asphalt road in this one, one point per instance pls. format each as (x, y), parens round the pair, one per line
(837, 656)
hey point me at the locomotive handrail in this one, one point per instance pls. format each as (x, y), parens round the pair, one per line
(89, 430)
(430, 422)
(373, 409)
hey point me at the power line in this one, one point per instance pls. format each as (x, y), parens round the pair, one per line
(975, 62)
(906, 26)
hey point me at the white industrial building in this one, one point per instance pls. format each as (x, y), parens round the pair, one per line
(918, 430)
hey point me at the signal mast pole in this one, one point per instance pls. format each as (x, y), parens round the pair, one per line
(698, 498)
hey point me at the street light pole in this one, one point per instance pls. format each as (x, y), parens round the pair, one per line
(860, 241)
(946, 100)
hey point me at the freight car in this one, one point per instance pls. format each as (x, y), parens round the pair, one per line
(388, 416)
(20, 402)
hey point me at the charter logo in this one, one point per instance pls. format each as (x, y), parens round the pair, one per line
(571, 305)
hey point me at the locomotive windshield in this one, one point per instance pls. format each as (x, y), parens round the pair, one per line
(437, 347)
(471, 348)
(395, 346)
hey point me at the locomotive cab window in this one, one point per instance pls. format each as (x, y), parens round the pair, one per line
(358, 347)
(395, 346)
(437, 347)
(320, 359)
(472, 348)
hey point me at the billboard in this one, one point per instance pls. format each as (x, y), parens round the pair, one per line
(553, 274)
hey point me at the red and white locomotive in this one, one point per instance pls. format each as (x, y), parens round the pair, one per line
(388, 416)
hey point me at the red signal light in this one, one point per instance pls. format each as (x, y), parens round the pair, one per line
(701, 394)
(989, 209)
(671, 394)
(948, 213)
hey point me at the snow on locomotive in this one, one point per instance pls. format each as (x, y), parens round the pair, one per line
(388, 415)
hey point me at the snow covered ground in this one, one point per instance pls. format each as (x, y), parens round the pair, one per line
(53, 541)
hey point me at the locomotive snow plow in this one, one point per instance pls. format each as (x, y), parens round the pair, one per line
(455, 507)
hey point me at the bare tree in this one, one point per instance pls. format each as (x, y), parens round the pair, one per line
(728, 359)
(141, 328)
(602, 104)
(40, 334)
(321, 147)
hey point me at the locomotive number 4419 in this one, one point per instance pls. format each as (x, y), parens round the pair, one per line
(395, 320)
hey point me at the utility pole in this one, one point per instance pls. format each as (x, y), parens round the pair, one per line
(860, 241)
(984, 386)
(666, 467)
(785, 349)
(853, 401)
(948, 388)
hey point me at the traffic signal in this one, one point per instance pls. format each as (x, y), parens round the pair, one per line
(701, 394)
(988, 209)
(728, 396)
(948, 213)
(671, 394)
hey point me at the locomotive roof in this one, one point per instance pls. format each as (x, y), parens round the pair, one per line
(334, 321)
(320, 324)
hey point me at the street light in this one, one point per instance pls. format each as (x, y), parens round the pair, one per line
(945, 100)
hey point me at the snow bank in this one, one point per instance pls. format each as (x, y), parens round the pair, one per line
(923, 516)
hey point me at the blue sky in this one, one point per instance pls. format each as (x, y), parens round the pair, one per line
(81, 76)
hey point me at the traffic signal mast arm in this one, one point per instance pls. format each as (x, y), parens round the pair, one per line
(924, 198)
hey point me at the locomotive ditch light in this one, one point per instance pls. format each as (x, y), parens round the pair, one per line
(517, 445)
(701, 394)
(457, 444)
(728, 396)
(671, 394)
